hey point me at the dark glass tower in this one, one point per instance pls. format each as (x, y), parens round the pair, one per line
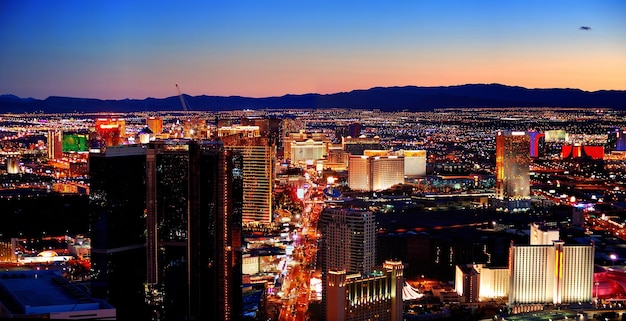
(193, 230)
(117, 200)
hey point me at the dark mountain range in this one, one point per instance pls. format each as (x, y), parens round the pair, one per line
(384, 98)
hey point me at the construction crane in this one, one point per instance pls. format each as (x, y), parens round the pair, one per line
(192, 125)
(182, 99)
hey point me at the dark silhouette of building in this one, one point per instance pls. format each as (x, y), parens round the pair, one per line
(117, 200)
(194, 229)
(166, 230)
(354, 129)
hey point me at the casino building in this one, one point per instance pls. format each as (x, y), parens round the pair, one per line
(546, 271)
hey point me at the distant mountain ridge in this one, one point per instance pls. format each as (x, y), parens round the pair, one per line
(410, 98)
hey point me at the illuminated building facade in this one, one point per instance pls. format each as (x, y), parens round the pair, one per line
(55, 144)
(467, 283)
(359, 176)
(494, 282)
(556, 135)
(337, 159)
(307, 151)
(357, 297)
(348, 240)
(193, 218)
(479, 282)
(545, 272)
(240, 131)
(580, 151)
(257, 155)
(268, 127)
(414, 163)
(155, 124)
(375, 171)
(620, 140)
(542, 235)
(306, 147)
(512, 170)
(535, 139)
(550, 274)
(13, 163)
(348, 243)
(117, 227)
(8, 251)
(110, 131)
(75, 142)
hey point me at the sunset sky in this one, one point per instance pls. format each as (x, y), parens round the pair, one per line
(139, 49)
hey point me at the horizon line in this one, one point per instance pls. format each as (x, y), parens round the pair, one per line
(323, 94)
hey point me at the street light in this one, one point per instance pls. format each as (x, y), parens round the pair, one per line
(613, 257)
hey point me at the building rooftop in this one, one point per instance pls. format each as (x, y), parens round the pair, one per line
(34, 292)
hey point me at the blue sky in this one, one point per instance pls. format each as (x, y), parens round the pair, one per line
(138, 49)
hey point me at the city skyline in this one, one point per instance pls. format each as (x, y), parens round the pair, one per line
(117, 50)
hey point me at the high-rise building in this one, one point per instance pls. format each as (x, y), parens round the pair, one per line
(512, 170)
(166, 230)
(414, 162)
(375, 296)
(55, 144)
(257, 154)
(375, 171)
(546, 271)
(194, 229)
(155, 124)
(467, 283)
(118, 243)
(550, 274)
(543, 235)
(348, 242)
(620, 140)
(268, 127)
(110, 131)
(479, 282)
(535, 141)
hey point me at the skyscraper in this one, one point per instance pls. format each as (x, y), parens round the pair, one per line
(535, 141)
(166, 229)
(55, 144)
(552, 273)
(193, 229)
(375, 171)
(414, 163)
(348, 242)
(375, 296)
(257, 155)
(512, 170)
(117, 223)
(155, 124)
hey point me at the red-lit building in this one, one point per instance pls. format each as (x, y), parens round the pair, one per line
(582, 151)
(111, 131)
